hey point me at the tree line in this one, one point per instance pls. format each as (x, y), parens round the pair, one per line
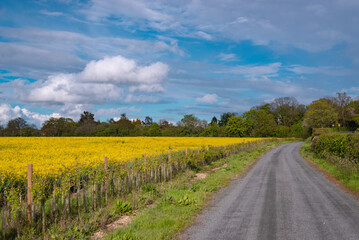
(283, 117)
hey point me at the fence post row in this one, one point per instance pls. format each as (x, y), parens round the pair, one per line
(130, 182)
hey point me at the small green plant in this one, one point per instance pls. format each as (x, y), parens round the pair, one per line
(149, 187)
(186, 201)
(123, 208)
(126, 236)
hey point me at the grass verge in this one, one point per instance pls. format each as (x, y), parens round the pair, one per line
(348, 177)
(176, 203)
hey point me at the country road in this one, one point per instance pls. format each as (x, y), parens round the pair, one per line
(282, 197)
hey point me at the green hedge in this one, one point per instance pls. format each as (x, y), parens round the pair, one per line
(339, 145)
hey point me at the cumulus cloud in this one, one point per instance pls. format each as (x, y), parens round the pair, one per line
(100, 81)
(120, 70)
(65, 88)
(7, 112)
(208, 98)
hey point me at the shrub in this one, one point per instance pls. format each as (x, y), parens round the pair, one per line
(339, 145)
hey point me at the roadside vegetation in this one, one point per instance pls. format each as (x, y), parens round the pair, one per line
(177, 202)
(337, 154)
(80, 200)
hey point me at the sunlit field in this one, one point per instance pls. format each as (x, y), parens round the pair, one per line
(52, 155)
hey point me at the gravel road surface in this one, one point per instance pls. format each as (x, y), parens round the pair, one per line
(282, 197)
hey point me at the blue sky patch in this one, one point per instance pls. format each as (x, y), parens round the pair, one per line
(166, 59)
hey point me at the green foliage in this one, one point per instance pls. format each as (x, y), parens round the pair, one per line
(236, 127)
(339, 145)
(186, 200)
(320, 114)
(225, 118)
(123, 208)
(155, 130)
(264, 124)
(149, 187)
(342, 169)
(126, 236)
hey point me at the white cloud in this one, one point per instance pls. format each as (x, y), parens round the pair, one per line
(252, 71)
(55, 14)
(120, 70)
(141, 98)
(29, 47)
(7, 112)
(133, 9)
(147, 88)
(116, 111)
(354, 89)
(291, 25)
(327, 70)
(101, 81)
(65, 88)
(227, 57)
(208, 98)
(204, 35)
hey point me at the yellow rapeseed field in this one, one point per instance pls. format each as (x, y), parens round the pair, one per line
(53, 155)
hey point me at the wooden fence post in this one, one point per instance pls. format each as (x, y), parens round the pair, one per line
(105, 185)
(145, 166)
(170, 164)
(198, 150)
(186, 152)
(29, 196)
(207, 148)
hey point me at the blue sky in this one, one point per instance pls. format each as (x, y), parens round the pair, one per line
(165, 59)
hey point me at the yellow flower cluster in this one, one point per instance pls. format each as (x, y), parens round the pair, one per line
(54, 155)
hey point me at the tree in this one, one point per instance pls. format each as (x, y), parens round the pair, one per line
(259, 123)
(342, 102)
(59, 127)
(15, 125)
(225, 117)
(214, 120)
(236, 127)
(155, 130)
(124, 126)
(287, 111)
(212, 130)
(319, 114)
(148, 121)
(354, 107)
(29, 131)
(86, 117)
(87, 125)
(264, 124)
(191, 125)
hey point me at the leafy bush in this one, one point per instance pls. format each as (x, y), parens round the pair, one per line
(339, 145)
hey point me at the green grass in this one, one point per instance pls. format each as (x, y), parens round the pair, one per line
(179, 201)
(349, 177)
